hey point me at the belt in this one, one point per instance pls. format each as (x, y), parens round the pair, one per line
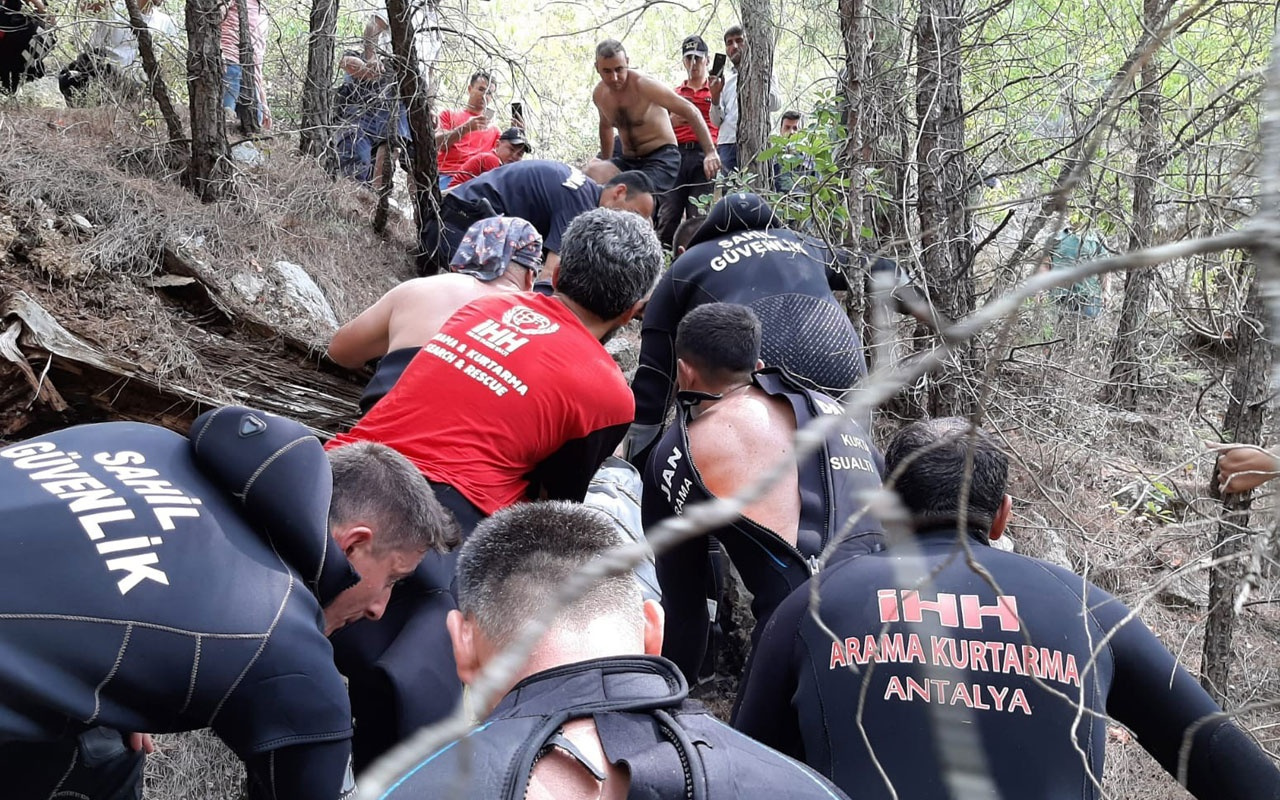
(689, 146)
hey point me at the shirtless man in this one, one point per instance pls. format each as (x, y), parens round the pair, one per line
(498, 254)
(640, 108)
(737, 419)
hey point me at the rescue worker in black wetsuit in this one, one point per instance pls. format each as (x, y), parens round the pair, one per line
(733, 424)
(154, 583)
(931, 659)
(594, 712)
(743, 254)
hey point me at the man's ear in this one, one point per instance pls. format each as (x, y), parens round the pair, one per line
(759, 363)
(630, 313)
(350, 537)
(686, 375)
(1001, 519)
(654, 619)
(462, 636)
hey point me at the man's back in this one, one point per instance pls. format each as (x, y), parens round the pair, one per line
(548, 194)
(135, 596)
(1034, 694)
(508, 382)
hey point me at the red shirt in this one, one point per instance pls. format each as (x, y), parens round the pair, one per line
(450, 159)
(702, 99)
(509, 381)
(480, 162)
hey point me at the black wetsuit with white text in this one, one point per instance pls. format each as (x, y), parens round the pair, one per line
(831, 482)
(1033, 671)
(155, 583)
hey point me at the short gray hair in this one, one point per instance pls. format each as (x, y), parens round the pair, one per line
(610, 48)
(375, 485)
(518, 559)
(608, 261)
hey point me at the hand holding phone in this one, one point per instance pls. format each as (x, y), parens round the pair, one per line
(717, 65)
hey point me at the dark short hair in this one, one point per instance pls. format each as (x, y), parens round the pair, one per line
(610, 48)
(929, 458)
(734, 30)
(791, 114)
(516, 560)
(685, 231)
(609, 259)
(636, 182)
(720, 339)
(477, 75)
(376, 485)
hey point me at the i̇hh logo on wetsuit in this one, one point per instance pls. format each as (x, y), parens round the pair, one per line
(529, 322)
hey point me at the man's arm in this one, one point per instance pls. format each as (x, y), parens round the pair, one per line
(675, 104)
(372, 29)
(763, 709)
(367, 336)
(302, 772)
(565, 474)
(654, 383)
(447, 137)
(1164, 706)
(716, 85)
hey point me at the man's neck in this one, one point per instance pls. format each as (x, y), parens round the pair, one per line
(599, 328)
(695, 84)
(727, 390)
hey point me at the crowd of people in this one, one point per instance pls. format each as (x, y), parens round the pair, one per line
(316, 604)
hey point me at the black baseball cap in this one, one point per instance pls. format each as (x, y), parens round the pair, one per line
(516, 136)
(693, 45)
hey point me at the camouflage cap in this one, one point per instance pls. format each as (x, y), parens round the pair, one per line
(491, 244)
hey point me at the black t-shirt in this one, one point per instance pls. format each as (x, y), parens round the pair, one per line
(1032, 671)
(136, 595)
(786, 278)
(548, 194)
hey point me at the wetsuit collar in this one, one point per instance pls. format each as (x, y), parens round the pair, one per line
(620, 683)
(939, 530)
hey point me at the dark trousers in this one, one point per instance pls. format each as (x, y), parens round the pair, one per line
(674, 205)
(661, 165)
(728, 157)
(98, 765)
(400, 669)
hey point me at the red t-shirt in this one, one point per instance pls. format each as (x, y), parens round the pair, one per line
(702, 99)
(477, 164)
(450, 159)
(512, 385)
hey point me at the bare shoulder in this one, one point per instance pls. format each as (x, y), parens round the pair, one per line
(732, 424)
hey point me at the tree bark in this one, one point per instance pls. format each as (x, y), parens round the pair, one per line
(945, 240)
(1125, 379)
(754, 84)
(317, 99)
(413, 96)
(210, 168)
(151, 65)
(1243, 421)
(247, 102)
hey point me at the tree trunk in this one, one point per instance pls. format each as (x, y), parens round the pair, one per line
(1243, 423)
(247, 102)
(1126, 366)
(754, 84)
(151, 65)
(413, 96)
(317, 99)
(943, 180)
(885, 128)
(210, 168)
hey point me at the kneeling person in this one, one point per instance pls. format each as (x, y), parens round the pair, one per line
(160, 583)
(593, 712)
(736, 421)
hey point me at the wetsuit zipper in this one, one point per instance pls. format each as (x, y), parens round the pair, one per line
(670, 736)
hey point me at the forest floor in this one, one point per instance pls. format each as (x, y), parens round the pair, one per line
(156, 306)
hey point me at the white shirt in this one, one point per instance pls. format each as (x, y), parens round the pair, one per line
(727, 109)
(115, 36)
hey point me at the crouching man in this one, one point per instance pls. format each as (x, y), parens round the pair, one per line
(594, 712)
(160, 583)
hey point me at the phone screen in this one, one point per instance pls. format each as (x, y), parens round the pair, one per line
(517, 110)
(717, 65)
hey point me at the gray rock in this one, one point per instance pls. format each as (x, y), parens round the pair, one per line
(305, 295)
(625, 352)
(246, 153)
(43, 93)
(248, 285)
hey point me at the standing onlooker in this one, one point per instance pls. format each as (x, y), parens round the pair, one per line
(724, 99)
(511, 147)
(112, 54)
(233, 72)
(790, 167)
(24, 42)
(691, 180)
(464, 132)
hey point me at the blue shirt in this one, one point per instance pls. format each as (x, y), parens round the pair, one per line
(548, 194)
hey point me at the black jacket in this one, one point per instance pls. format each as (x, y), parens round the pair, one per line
(157, 583)
(1032, 678)
(832, 481)
(671, 749)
